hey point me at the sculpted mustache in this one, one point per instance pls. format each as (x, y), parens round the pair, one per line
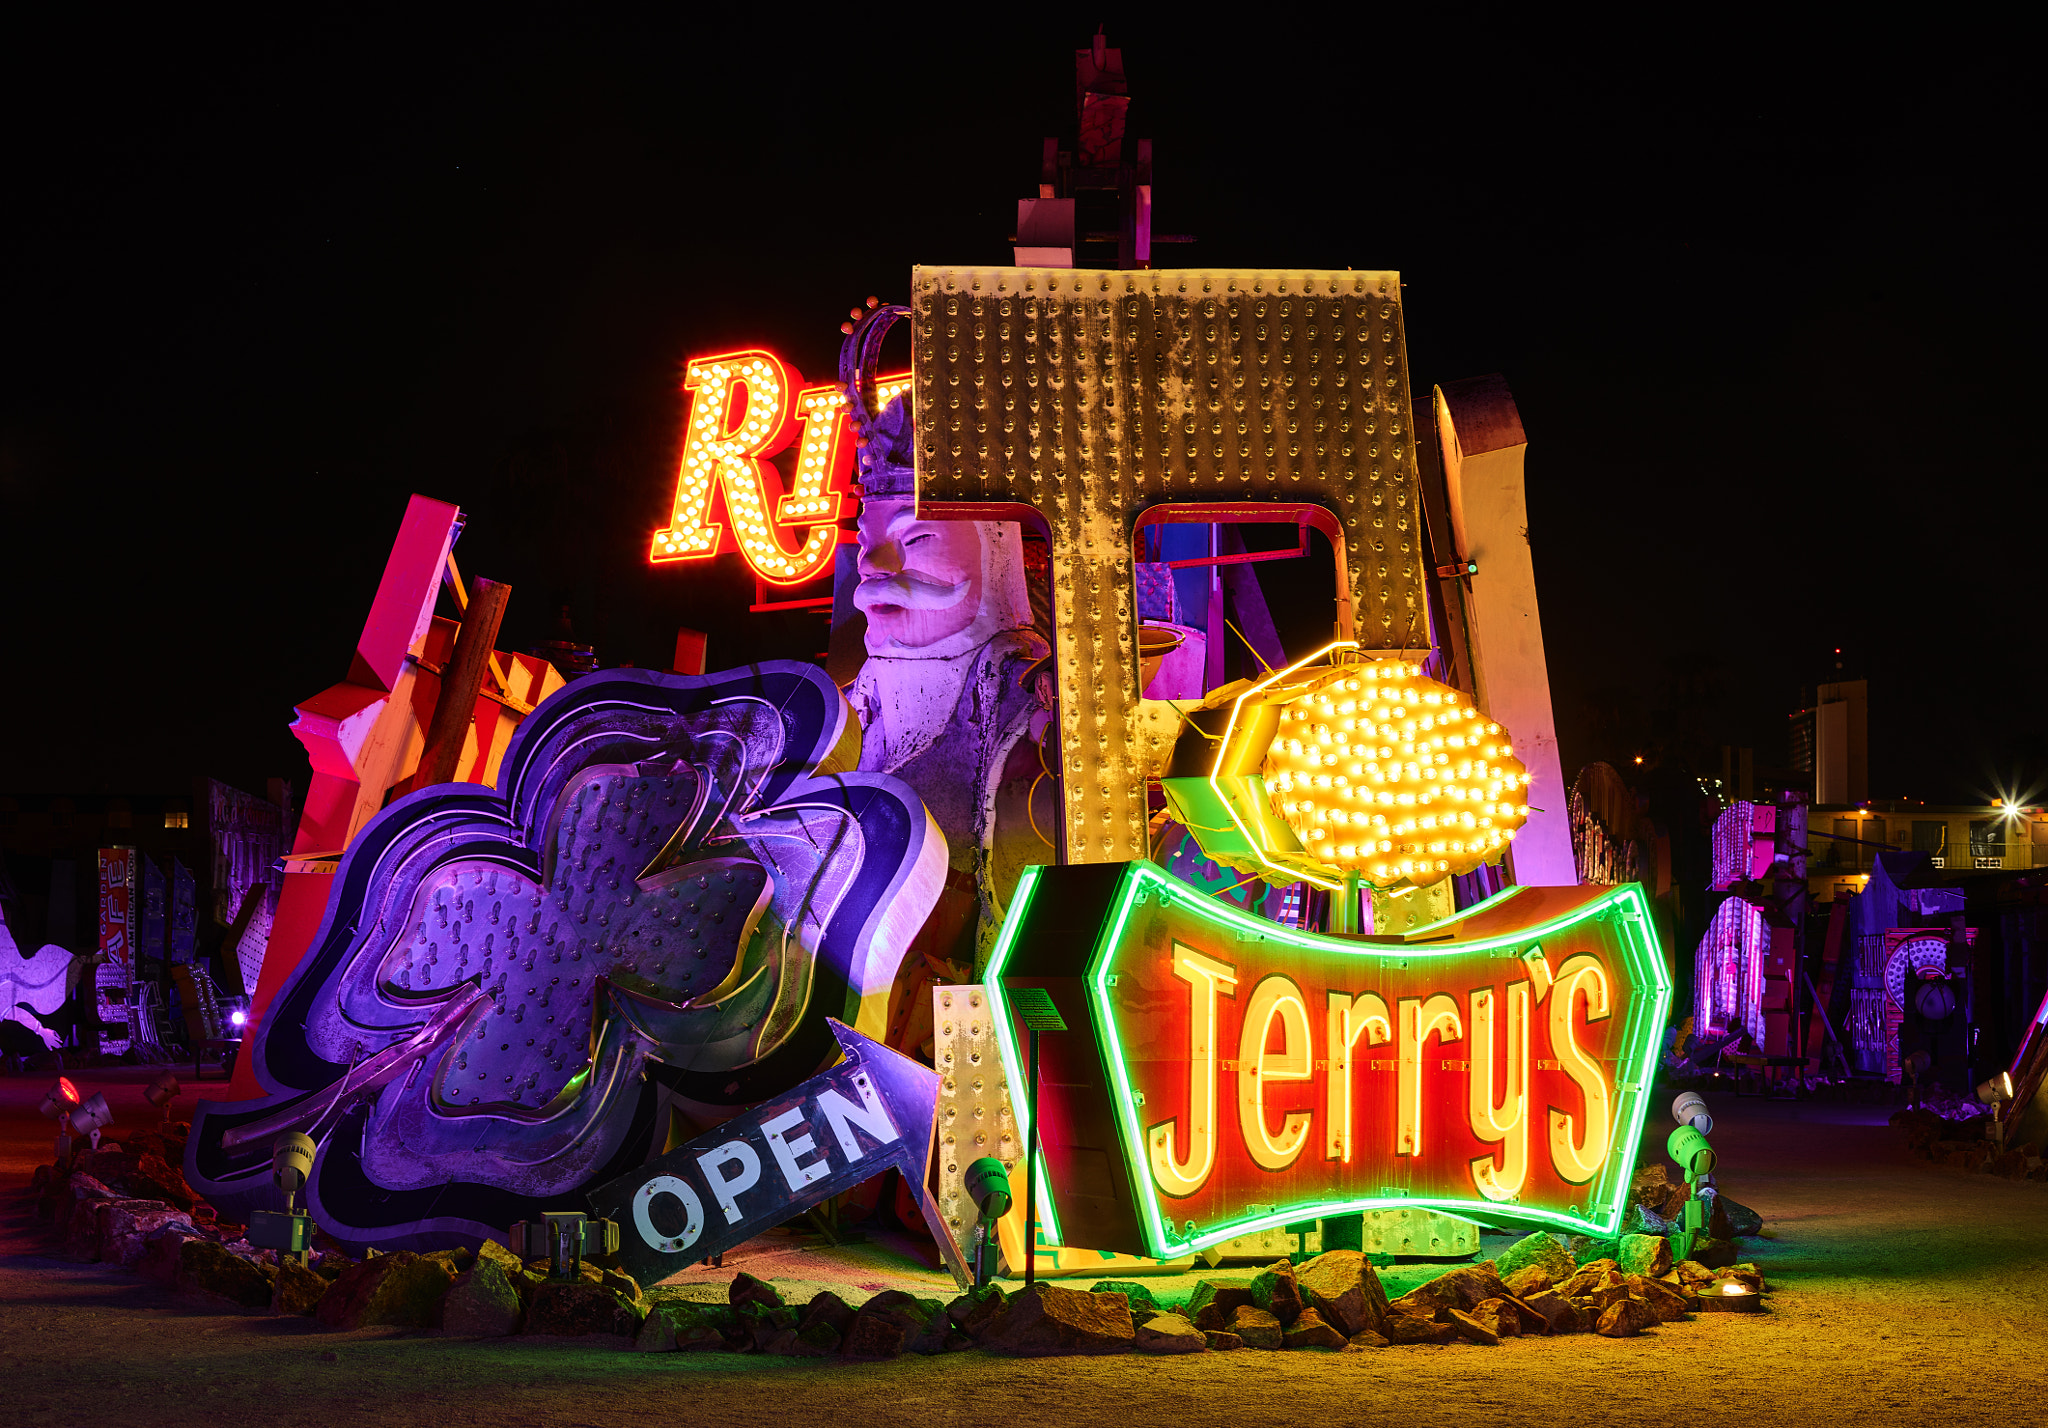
(909, 591)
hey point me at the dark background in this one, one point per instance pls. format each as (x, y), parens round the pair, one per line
(1769, 303)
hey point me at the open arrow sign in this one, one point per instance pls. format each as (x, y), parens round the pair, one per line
(870, 1112)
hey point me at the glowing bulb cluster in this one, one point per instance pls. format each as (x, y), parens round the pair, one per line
(1384, 772)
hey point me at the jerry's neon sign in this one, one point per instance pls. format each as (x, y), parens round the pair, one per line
(745, 408)
(1241, 1074)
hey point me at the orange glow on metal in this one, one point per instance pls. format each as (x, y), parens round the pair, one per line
(745, 407)
(68, 1091)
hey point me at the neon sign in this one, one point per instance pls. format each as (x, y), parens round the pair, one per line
(745, 408)
(1226, 1074)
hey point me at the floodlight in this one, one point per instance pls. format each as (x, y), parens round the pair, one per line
(988, 1184)
(162, 1091)
(1997, 1091)
(564, 1237)
(1690, 1110)
(1690, 1149)
(61, 1099)
(291, 1163)
(238, 1019)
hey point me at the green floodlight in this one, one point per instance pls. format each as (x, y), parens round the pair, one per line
(1690, 1149)
(988, 1186)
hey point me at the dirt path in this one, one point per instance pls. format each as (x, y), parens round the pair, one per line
(1910, 1292)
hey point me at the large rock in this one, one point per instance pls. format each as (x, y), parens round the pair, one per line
(1278, 1292)
(1474, 1330)
(1046, 1319)
(1170, 1334)
(1258, 1328)
(973, 1311)
(296, 1289)
(1462, 1288)
(1560, 1315)
(1212, 1305)
(1540, 1250)
(893, 1323)
(1667, 1303)
(679, 1324)
(579, 1309)
(89, 1224)
(745, 1289)
(481, 1302)
(1220, 1340)
(1310, 1330)
(834, 1312)
(1644, 1254)
(1342, 1287)
(125, 1231)
(1731, 1220)
(400, 1289)
(1625, 1318)
(161, 1251)
(1529, 1279)
(506, 1261)
(1418, 1326)
(207, 1271)
(1138, 1296)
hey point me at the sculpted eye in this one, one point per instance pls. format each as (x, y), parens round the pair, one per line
(910, 541)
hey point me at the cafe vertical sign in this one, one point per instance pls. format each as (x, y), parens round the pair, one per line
(1225, 1073)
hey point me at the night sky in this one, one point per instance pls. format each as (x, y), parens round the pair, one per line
(1770, 305)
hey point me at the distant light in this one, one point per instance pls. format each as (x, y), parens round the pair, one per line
(1639, 758)
(238, 1018)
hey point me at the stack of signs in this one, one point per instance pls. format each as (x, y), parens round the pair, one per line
(114, 978)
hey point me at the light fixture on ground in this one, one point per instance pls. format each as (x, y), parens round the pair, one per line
(58, 1104)
(1690, 1110)
(1696, 1158)
(988, 1185)
(563, 1238)
(1730, 1296)
(161, 1092)
(1997, 1094)
(290, 1230)
(92, 1118)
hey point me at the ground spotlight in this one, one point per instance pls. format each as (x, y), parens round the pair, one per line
(290, 1230)
(1997, 1091)
(161, 1092)
(60, 1100)
(1690, 1110)
(92, 1118)
(988, 1185)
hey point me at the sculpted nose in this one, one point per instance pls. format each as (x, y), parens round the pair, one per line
(884, 557)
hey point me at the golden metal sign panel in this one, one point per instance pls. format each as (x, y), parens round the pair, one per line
(1092, 397)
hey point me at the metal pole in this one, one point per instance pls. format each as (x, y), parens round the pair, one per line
(1031, 1171)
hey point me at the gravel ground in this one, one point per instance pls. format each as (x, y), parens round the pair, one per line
(1902, 1289)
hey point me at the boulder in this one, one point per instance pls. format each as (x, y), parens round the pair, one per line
(746, 1289)
(1539, 1250)
(679, 1324)
(401, 1289)
(1716, 1254)
(207, 1271)
(1170, 1334)
(507, 1261)
(975, 1310)
(1667, 1303)
(1046, 1319)
(1528, 1280)
(480, 1302)
(1625, 1318)
(1138, 1296)
(1258, 1328)
(1659, 1189)
(1342, 1287)
(1474, 1330)
(836, 1314)
(890, 1323)
(1587, 1251)
(1462, 1288)
(1219, 1340)
(1310, 1330)
(1644, 1254)
(296, 1289)
(457, 1260)
(161, 1249)
(154, 1178)
(1560, 1315)
(125, 1232)
(1366, 1340)
(578, 1309)
(770, 1329)
(1212, 1304)
(1278, 1292)
(1734, 1221)
(89, 1224)
(1417, 1326)
(1693, 1274)
(814, 1340)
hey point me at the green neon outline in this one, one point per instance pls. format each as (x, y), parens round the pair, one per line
(1646, 1017)
(1006, 1044)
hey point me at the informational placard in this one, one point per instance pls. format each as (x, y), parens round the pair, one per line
(117, 904)
(1224, 1074)
(870, 1113)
